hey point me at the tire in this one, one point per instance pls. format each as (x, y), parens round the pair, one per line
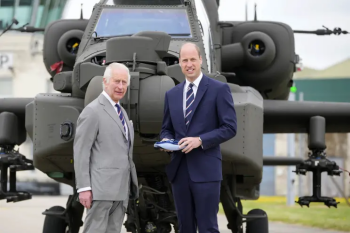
(54, 224)
(259, 225)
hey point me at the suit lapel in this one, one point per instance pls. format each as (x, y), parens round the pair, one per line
(111, 112)
(178, 106)
(202, 88)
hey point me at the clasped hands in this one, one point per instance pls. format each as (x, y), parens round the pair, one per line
(188, 144)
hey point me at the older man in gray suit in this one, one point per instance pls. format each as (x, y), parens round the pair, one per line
(105, 172)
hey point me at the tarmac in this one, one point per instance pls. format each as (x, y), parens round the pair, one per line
(26, 216)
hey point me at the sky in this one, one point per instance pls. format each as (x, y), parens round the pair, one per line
(317, 52)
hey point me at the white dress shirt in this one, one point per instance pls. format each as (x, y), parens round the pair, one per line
(126, 128)
(194, 88)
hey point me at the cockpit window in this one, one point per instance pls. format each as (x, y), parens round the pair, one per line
(125, 21)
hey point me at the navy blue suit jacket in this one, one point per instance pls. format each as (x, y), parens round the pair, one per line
(213, 120)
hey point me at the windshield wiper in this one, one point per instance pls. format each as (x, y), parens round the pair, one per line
(109, 37)
(99, 38)
(179, 34)
(124, 35)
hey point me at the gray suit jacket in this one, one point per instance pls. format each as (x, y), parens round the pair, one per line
(102, 156)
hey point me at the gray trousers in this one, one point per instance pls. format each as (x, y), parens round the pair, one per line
(104, 217)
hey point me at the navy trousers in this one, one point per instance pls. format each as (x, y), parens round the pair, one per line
(197, 204)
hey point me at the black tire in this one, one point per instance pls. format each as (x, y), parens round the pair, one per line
(260, 225)
(54, 224)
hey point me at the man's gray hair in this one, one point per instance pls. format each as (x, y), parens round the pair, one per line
(114, 66)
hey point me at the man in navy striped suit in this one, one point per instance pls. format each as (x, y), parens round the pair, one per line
(200, 113)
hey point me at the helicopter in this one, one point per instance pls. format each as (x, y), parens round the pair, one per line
(255, 58)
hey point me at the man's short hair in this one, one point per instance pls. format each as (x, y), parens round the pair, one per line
(114, 66)
(196, 46)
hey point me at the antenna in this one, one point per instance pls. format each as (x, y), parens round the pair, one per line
(246, 10)
(255, 17)
(81, 11)
(322, 32)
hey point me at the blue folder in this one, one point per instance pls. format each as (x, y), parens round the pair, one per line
(170, 144)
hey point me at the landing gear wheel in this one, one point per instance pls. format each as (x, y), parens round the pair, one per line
(259, 225)
(54, 224)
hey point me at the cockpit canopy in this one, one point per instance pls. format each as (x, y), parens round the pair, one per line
(125, 21)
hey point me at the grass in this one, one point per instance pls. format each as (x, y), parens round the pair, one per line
(318, 215)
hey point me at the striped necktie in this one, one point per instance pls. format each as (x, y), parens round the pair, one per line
(121, 116)
(189, 103)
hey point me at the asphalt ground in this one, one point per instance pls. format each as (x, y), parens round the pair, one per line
(26, 216)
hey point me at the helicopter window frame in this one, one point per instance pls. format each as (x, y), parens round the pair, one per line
(212, 52)
(204, 25)
(183, 10)
(201, 27)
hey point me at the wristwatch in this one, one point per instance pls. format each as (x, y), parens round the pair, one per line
(199, 138)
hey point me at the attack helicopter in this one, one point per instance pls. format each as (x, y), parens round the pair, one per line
(255, 58)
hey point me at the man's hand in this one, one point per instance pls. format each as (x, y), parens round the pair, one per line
(164, 139)
(85, 198)
(189, 143)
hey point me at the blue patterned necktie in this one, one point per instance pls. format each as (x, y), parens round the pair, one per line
(121, 116)
(189, 103)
